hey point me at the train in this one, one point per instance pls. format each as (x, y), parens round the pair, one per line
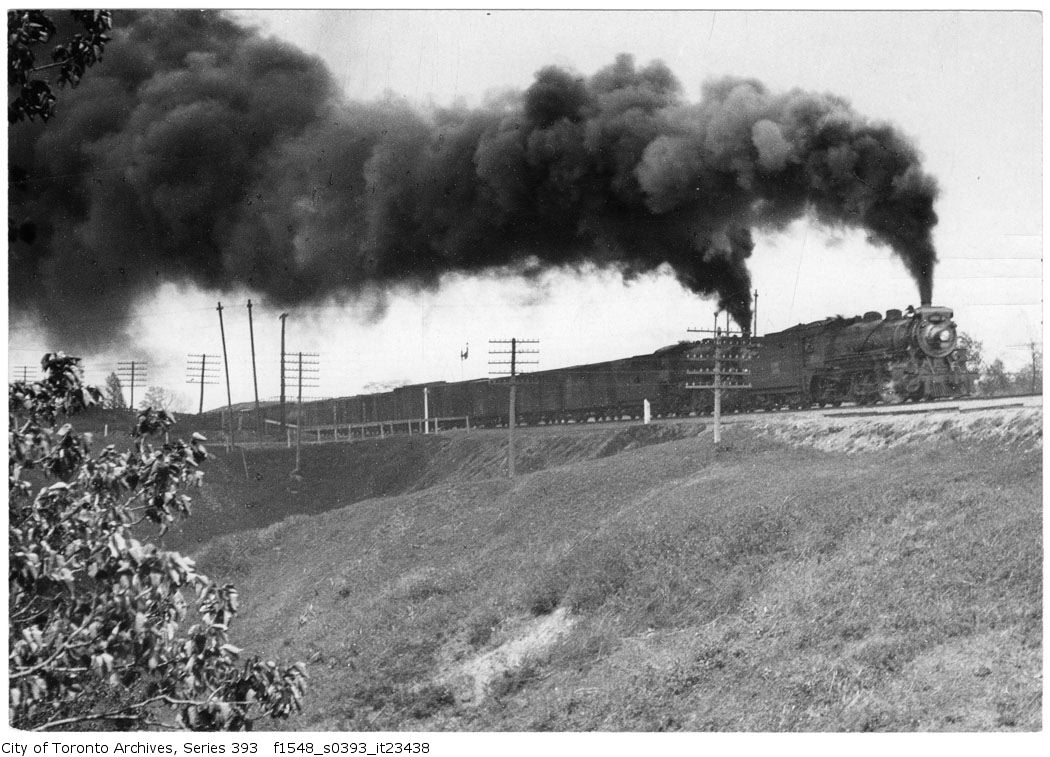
(894, 357)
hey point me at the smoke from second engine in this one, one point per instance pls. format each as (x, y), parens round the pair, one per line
(198, 151)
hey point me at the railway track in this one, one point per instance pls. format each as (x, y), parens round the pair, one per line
(958, 404)
(955, 405)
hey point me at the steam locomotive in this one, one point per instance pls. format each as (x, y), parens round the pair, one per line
(903, 356)
(910, 355)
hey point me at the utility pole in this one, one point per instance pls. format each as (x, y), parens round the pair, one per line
(282, 316)
(723, 362)
(201, 370)
(230, 441)
(255, 377)
(24, 370)
(754, 316)
(1032, 346)
(132, 373)
(514, 362)
(304, 373)
(299, 417)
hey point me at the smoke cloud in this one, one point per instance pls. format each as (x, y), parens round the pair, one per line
(198, 151)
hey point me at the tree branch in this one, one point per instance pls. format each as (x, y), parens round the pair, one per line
(47, 66)
(117, 714)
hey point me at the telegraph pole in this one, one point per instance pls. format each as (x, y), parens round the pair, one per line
(208, 373)
(132, 373)
(722, 360)
(514, 362)
(718, 382)
(304, 373)
(230, 441)
(299, 417)
(255, 377)
(24, 370)
(282, 316)
(1032, 346)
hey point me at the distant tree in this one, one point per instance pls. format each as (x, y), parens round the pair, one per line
(96, 616)
(994, 380)
(115, 393)
(974, 351)
(160, 398)
(1030, 377)
(29, 80)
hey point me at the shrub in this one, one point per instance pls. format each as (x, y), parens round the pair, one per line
(94, 610)
(544, 592)
(481, 625)
(510, 682)
(427, 700)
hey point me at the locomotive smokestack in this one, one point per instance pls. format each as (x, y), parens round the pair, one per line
(208, 168)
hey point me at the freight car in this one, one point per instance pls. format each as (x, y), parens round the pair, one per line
(600, 391)
(901, 356)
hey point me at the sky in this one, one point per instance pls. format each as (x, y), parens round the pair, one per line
(966, 87)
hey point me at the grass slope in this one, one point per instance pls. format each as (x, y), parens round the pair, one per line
(254, 488)
(757, 585)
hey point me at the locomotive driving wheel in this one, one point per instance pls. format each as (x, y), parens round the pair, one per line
(865, 388)
(916, 389)
(889, 394)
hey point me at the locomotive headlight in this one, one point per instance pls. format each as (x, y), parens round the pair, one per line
(938, 339)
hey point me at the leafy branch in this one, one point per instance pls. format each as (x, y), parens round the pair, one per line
(28, 29)
(93, 609)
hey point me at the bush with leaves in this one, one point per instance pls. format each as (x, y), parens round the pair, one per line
(26, 76)
(94, 610)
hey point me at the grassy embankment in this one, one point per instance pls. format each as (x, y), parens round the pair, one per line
(757, 585)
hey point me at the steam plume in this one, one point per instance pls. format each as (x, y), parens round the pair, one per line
(199, 151)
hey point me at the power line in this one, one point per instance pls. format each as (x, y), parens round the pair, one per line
(231, 442)
(956, 257)
(305, 370)
(722, 360)
(514, 361)
(201, 370)
(941, 278)
(132, 373)
(255, 376)
(998, 304)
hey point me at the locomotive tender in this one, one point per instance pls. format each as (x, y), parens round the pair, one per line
(910, 355)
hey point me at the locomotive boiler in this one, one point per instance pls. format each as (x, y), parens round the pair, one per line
(900, 356)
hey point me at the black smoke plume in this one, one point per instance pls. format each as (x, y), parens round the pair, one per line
(199, 151)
